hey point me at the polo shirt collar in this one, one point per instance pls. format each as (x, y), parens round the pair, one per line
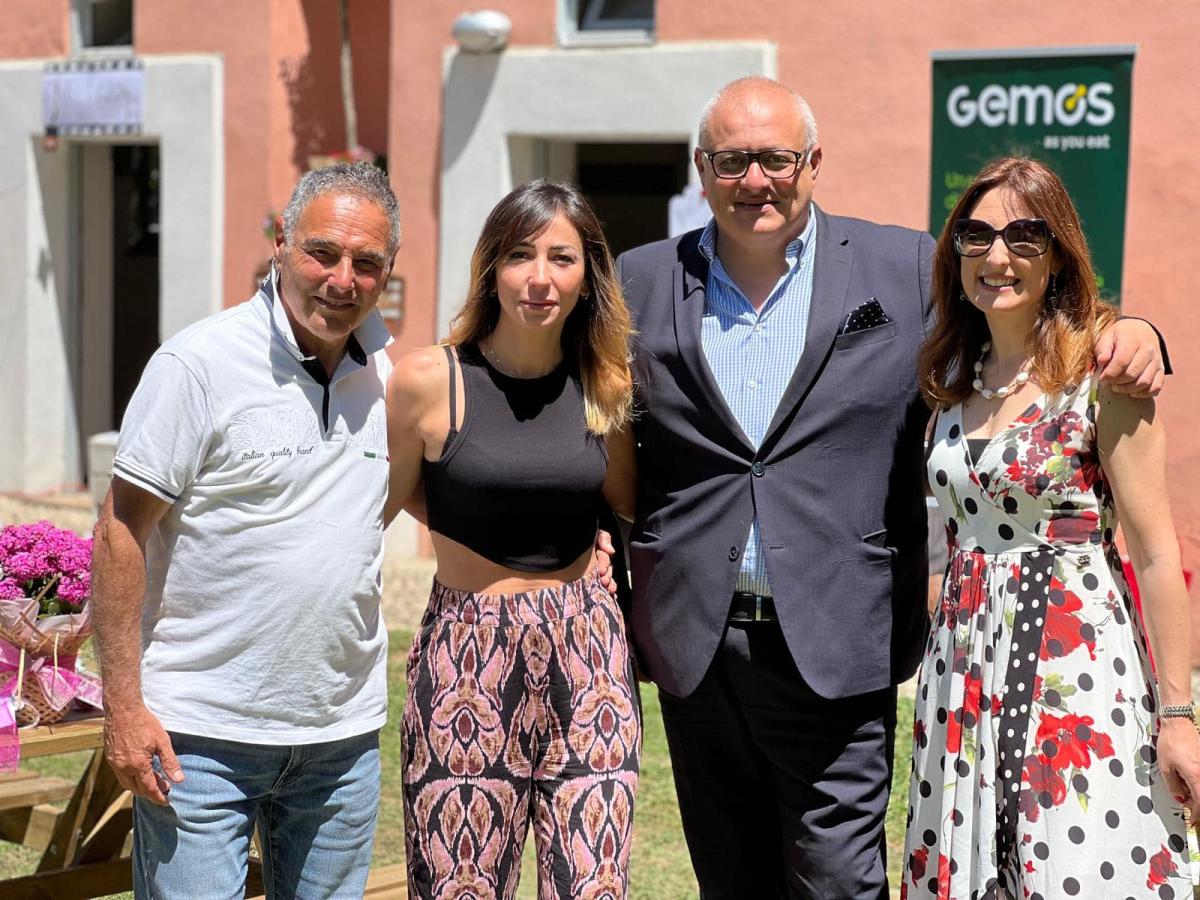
(370, 336)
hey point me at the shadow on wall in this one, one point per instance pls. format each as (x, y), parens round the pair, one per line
(314, 81)
(309, 126)
(469, 83)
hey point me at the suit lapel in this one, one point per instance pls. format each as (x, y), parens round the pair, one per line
(690, 289)
(831, 279)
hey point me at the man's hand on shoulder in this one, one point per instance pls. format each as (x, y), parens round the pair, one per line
(1129, 358)
(132, 738)
(604, 555)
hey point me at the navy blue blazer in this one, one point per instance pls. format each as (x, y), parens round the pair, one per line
(837, 482)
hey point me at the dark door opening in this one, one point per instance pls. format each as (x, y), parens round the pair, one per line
(136, 174)
(629, 186)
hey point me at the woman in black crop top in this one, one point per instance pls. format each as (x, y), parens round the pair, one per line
(509, 439)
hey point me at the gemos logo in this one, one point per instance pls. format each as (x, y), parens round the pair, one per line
(998, 105)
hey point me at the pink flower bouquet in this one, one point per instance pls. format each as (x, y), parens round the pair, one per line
(45, 583)
(44, 620)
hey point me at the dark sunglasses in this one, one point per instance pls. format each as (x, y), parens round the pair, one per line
(1024, 237)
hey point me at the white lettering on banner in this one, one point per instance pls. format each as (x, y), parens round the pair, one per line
(1029, 97)
(993, 106)
(1077, 142)
(1100, 106)
(997, 105)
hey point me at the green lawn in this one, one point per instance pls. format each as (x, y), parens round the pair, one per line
(897, 814)
(660, 869)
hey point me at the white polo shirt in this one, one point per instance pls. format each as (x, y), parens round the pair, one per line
(262, 620)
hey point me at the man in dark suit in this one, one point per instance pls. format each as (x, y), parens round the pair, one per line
(778, 555)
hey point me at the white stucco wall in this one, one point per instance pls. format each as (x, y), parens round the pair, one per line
(492, 101)
(185, 110)
(40, 242)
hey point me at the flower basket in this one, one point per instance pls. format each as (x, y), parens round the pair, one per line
(37, 707)
(44, 636)
(48, 691)
(38, 690)
(45, 583)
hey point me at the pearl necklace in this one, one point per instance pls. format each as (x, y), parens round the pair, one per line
(987, 393)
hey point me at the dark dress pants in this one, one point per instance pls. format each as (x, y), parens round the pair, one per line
(783, 792)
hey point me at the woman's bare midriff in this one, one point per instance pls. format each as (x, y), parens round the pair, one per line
(463, 569)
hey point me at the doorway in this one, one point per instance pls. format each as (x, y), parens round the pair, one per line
(135, 262)
(118, 278)
(629, 186)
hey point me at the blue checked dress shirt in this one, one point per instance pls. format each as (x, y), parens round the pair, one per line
(752, 354)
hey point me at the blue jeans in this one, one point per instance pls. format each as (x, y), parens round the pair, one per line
(314, 804)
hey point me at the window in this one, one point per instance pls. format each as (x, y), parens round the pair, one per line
(591, 22)
(613, 14)
(102, 23)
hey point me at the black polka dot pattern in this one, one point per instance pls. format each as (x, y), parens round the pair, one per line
(1033, 595)
(866, 315)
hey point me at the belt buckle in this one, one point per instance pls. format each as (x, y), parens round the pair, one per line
(760, 612)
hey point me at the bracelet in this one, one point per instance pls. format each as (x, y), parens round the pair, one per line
(1179, 711)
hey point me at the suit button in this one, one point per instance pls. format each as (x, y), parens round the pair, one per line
(733, 553)
(758, 469)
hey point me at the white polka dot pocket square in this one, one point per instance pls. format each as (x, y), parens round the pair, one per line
(864, 317)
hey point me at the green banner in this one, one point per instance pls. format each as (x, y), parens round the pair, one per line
(1069, 108)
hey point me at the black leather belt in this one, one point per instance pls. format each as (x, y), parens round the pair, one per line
(751, 608)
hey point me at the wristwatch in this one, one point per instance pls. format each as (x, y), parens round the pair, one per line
(1178, 711)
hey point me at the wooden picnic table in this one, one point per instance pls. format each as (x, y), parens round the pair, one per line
(83, 845)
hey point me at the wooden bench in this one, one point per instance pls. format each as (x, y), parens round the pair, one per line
(25, 788)
(388, 883)
(84, 844)
(26, 816)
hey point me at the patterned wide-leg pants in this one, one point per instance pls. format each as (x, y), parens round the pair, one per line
(521, 707)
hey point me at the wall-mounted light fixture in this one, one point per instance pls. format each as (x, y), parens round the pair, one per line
(485, 31)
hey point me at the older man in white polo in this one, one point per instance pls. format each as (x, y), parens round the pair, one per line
(236, 573)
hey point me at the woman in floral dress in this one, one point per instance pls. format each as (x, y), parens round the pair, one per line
(1046, 763)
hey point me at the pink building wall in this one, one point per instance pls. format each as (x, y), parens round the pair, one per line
(282, 98)
(282, 91)
(865, 68)
(32, 29)
(419, 41)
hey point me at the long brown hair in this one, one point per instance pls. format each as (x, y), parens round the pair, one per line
(1061, 344)
(597, 332)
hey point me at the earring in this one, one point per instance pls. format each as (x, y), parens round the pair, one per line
(1052, 290)
(962, 295)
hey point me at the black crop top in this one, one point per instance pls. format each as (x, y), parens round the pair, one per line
(520, 482)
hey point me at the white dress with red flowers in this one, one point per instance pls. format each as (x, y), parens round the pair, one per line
(1034, 765)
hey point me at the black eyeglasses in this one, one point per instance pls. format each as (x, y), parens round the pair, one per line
(775, 164)
(1024, 237)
